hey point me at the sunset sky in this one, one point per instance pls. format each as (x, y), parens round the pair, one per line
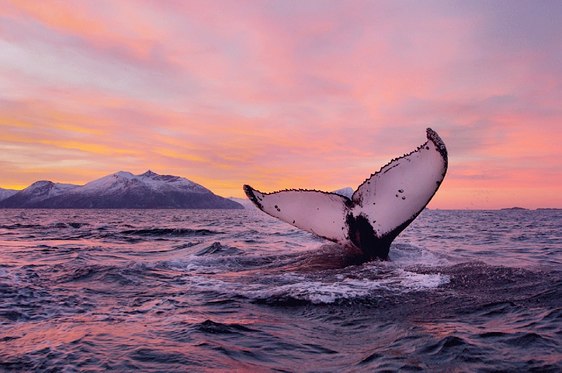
(277, 94)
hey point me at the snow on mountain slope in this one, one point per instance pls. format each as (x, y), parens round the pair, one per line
(346, 192)
(5, 193)
(122, 181)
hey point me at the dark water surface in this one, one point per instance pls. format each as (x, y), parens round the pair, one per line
(191, 290)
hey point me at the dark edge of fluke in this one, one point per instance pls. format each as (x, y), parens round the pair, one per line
(251, 196)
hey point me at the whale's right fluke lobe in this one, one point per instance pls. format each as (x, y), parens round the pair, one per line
(381, 207)
(397, 193)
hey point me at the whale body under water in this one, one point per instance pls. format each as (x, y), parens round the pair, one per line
(381, 207)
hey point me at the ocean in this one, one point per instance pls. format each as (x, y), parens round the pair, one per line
(236, 290)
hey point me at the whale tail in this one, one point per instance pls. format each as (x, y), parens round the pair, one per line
(381, 207)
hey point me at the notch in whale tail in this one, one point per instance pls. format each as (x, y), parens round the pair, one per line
(381, 207)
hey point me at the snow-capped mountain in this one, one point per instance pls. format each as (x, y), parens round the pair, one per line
(5, 193)
(36, 193)
(125, 190)
(346, 192)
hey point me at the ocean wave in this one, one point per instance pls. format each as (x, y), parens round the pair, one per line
(295, 289)
(174, 232)
(212, 327)
(20, 226)
(216, 248)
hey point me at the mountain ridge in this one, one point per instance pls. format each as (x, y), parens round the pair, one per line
(120, 190)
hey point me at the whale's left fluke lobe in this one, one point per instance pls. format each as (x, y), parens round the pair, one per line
(316, 212)
(384, 205)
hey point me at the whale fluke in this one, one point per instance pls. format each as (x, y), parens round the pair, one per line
(381, 207)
